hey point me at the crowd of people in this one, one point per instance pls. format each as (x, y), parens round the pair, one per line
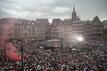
(92, 58)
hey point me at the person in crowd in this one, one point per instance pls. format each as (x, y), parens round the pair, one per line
(37, 59)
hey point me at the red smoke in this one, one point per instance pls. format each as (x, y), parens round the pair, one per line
(11, 52)
(7, 27)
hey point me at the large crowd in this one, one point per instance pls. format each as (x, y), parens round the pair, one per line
(91, 58)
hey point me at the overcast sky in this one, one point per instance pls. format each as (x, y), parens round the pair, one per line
(32, 9)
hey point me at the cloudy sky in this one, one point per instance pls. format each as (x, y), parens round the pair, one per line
(32, 9)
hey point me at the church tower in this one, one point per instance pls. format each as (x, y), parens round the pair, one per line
(74, 13)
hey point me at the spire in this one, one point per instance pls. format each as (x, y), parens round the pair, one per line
(74, 13)
(73, 8)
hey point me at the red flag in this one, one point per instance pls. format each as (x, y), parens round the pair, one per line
(11, 52)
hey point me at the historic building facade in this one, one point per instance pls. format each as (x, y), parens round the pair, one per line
(27, 29)
(57, 29)
(66, 30)
(92, 31)
(73, 28)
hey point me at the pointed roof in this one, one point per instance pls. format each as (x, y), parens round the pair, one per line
(74, 12)
(73, 8)
(96, 20)
(74, 15)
